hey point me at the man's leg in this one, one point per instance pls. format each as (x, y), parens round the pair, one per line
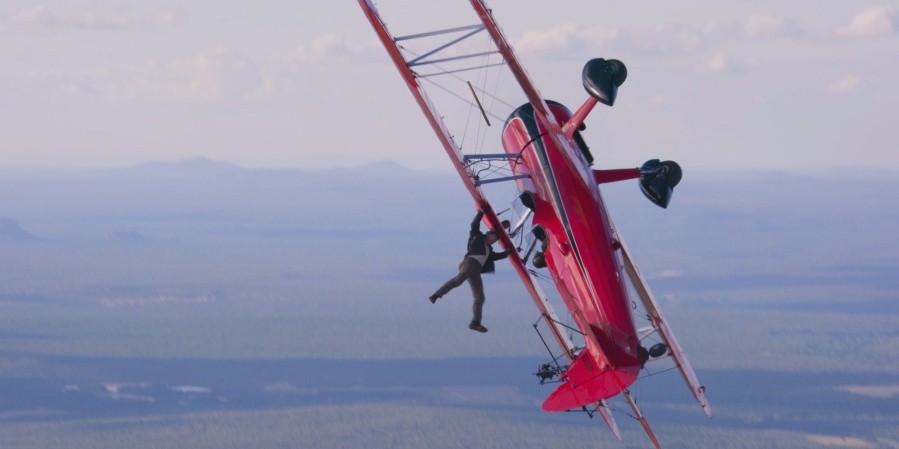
(465, 269)
(477, 291)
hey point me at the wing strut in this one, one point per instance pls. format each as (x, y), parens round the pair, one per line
(639, 415)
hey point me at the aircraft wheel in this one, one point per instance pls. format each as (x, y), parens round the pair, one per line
(527, 199)
(642, 355)
(658, 350)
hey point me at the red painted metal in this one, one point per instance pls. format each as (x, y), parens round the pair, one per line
(581, 257)
(620, 174)
(571, 126)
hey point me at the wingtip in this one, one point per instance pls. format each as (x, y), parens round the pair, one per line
(606, 413)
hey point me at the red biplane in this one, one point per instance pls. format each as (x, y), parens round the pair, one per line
(569, 231)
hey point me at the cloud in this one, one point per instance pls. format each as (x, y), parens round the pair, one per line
(768, 27)
(717, 63)
(846, 84)
(571, 39)
(722, 62)
(670, 39)
(167, 18)
(565, 39)
(219, 74)
(40, 17)
(657, 100)
(873, 21)
(330, 47)
(311, 65)
(213, 75)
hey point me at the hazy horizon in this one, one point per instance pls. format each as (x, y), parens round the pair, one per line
(446, 170)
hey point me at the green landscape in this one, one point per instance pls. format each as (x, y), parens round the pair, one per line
(209, 306)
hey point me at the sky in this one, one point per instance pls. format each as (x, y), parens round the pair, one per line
(795, 86)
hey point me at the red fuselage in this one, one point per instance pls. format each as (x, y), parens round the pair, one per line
(581, 248)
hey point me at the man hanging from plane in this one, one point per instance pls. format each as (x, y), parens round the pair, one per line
(479, 259)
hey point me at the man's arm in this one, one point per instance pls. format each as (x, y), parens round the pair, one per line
(476, 223)
(499, 255)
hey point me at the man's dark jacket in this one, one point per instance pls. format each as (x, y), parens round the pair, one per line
(477, 246)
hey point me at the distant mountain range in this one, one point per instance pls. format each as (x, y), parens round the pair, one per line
(787, 216)
(10, 231)
(194, 167)
(204, 167)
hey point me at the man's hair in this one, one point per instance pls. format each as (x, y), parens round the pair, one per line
(492, 233)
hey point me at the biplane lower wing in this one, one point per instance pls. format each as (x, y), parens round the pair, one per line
(658, 322)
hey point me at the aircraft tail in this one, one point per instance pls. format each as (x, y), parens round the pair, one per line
(586, 383)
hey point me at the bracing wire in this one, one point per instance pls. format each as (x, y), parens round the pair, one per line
(482, 137)
(459, 78)
(547, 281)
(480, 82)
(461, 98)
